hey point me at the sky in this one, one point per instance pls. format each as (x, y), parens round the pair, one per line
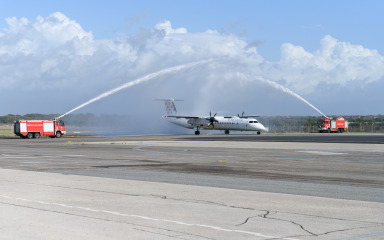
(56, 55)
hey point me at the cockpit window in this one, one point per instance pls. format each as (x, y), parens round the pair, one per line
(253, 121)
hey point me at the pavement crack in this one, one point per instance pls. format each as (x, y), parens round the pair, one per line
(211, 203)
(266, 215)
(246, 220)
(341, 230)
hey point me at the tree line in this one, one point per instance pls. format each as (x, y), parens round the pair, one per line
(10, 118)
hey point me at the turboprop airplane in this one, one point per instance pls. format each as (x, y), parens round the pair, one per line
(236, 123)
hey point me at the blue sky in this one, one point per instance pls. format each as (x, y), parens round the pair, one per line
(329, 52)
(267, 23)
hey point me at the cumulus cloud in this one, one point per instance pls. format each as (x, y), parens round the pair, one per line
(53, 57)
(167, 28)
(336, 62)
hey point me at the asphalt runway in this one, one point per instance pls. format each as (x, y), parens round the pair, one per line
(318, 138)
(336, 178)
(313, 164)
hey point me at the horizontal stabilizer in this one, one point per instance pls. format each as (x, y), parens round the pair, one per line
(250, 116)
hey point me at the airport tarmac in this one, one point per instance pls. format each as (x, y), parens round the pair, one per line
(290, 186)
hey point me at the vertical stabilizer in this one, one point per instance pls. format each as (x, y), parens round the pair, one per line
(170, 106)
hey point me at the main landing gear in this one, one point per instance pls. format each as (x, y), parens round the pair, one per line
(197, 132)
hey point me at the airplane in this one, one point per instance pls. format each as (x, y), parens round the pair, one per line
(236, 123)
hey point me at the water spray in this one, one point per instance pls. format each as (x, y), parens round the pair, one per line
(137, 81)
(179, 68)
(286, 90)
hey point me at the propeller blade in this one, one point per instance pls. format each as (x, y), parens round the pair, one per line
(212, 119)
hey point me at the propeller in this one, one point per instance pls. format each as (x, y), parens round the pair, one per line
(212, 120)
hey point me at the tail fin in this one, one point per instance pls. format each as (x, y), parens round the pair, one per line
(170, 105)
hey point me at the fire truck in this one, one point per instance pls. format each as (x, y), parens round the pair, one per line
(333, 125)
(37, 128)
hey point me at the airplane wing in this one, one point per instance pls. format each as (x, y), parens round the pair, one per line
(186, 117)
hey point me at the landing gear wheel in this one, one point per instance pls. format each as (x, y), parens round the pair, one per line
(29, 135)
(258, 133)
(36, 135)
(197, 132)
(58, 134)
(226, 132)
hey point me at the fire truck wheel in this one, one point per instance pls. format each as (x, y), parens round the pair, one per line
(37, 135)
(29, 135)
(58, 134)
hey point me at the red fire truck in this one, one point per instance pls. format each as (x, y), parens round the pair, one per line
(333, 125)
(37, 128)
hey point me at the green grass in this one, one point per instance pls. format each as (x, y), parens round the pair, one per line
(6, 130)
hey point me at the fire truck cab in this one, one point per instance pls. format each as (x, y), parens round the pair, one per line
(333, 125)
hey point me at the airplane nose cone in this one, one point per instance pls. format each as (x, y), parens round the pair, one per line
(262, 128)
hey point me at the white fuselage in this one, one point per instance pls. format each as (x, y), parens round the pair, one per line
(222, 123)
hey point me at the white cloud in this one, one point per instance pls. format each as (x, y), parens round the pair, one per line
(29, 37)
(166, 26)
(56, 55)
(335, 62)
